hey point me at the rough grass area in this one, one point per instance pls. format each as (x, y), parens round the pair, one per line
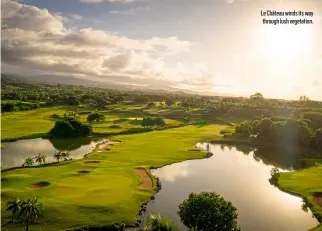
(110, 192)
(307, 183)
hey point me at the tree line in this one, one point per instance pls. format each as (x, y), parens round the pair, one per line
(304, 129)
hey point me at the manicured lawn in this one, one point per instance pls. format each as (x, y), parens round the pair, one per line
(305, 182)
(109, 192)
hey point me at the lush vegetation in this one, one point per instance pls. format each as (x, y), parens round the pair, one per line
(156, 223)
(208, 211)
(104, 184)
(25, 211)
(109, 190)
(153, 121)
(95, 117)
(70, 128)
(301, 130)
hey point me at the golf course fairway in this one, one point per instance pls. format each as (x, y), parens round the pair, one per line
(102, 188)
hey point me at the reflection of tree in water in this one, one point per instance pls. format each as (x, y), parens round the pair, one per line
(70, 144)
(281, 157)
(284, 158)
(245, 149)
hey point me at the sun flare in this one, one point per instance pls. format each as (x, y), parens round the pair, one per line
(286, 41)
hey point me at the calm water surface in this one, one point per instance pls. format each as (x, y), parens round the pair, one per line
(15, 153)
(240, 175)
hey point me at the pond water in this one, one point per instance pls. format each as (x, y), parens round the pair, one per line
(15, 153)
(239, 174)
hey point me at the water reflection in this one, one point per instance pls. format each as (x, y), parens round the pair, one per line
(15, 153)
(173, 172)
(242, 178)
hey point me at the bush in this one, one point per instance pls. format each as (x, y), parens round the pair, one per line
(208, 211)
(152, 121)
(156, 223)
(95, 116)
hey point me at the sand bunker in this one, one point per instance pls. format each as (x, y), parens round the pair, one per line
(103, 147)
(41, 184)
(147, 181)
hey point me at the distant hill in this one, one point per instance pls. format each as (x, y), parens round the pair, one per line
(18, 80)
(56, 79)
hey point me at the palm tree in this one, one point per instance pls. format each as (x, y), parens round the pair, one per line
(29, 211)
(65, 155)
(156, 223)
(14, 206)
(58, 155)
(28, 162)
(40, 158)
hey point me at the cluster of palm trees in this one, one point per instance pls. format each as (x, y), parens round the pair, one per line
(24, 210)
(61, 155)
(41, 158)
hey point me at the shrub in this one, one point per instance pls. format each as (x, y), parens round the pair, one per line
(95, 116)
(156, 223)
(152, 121)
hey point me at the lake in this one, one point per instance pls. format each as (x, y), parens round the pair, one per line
(15, 153)
(239, 174)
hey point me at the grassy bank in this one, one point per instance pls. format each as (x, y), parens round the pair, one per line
(108, 191)
(306, 183)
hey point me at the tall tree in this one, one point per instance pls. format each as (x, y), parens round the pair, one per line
(29, 211)
(40, 158)
(14, 206)
(28, 162)
(58, 155)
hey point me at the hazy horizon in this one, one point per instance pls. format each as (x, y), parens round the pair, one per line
(213, 47)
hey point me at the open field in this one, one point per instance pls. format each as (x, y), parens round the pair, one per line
(103, 187)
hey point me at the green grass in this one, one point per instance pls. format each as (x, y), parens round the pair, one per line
(109, 193)
(33, 123)
(36, 123)
(305, 183)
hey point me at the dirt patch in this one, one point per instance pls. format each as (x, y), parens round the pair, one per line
(41, 184)
(147, 181)
(91, 162)
(84, 171)
(194, 150)
(317, 198)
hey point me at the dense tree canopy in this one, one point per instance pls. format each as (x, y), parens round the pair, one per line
(70, 128)
(287, 130)
(208, 211)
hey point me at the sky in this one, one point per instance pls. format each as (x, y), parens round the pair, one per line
(215, 47)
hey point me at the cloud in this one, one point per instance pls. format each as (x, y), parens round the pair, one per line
(69, 18)
(35, 38)
(131, 11)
